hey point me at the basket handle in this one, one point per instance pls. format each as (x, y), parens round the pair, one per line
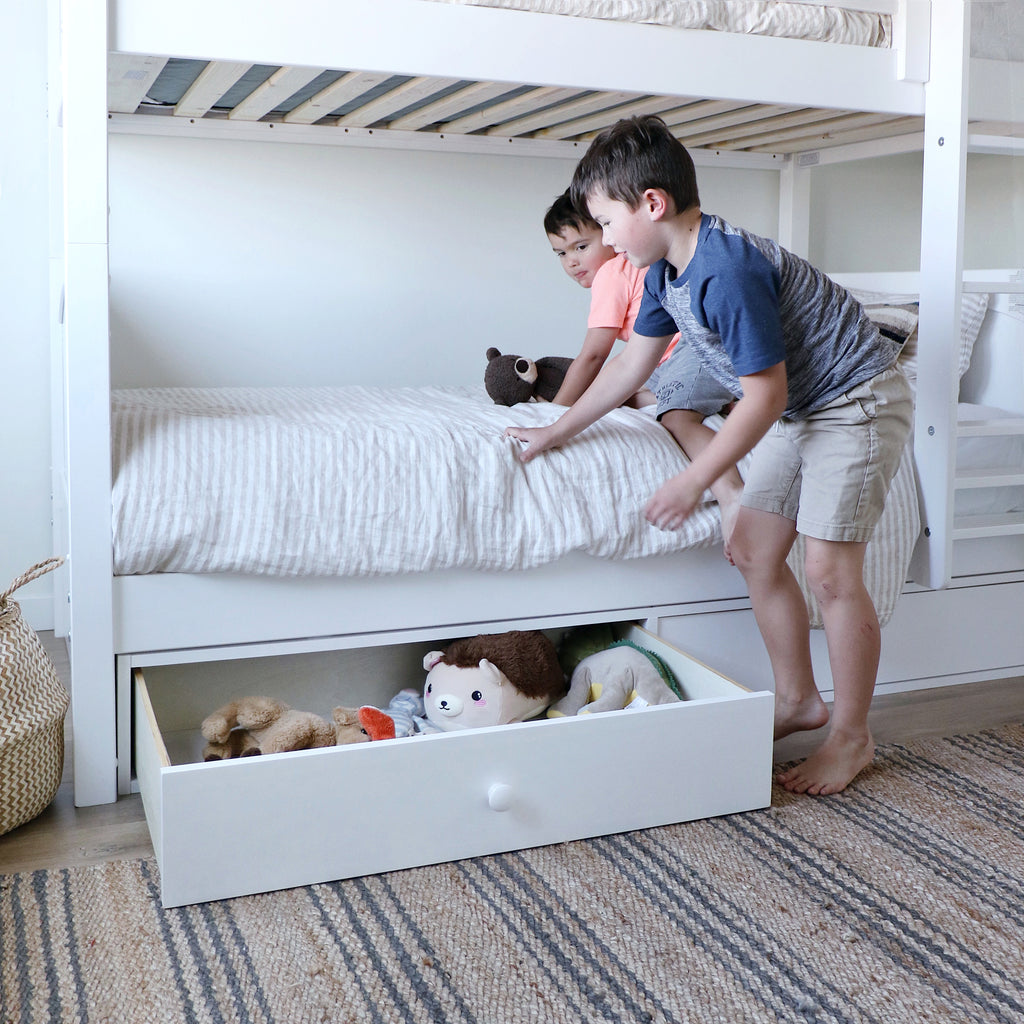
(37, 570)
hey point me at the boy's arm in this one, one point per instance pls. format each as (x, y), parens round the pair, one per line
(764, 401)
(597, 343)
(619, 378)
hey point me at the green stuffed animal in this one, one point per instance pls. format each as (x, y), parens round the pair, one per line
(609, 675)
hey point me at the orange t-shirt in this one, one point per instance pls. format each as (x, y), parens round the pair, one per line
(615, 298)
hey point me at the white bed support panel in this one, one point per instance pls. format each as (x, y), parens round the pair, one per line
(942, 231)
(87, 426)
(414, 37)
(487, 44)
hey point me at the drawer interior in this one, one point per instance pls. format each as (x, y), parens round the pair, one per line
(180, 696)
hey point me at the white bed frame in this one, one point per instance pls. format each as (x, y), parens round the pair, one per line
(123, 622)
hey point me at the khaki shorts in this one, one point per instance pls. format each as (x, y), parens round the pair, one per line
(831, 471)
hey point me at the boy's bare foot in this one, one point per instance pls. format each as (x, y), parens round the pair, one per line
(799, 715)
(831, 767)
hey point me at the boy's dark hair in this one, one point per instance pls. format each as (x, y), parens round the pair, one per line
(631, 156)
(564, 213)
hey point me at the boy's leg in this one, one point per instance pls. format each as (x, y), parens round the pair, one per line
(693, 436)
(643, 398)
(838, 462)
(761, 542)
(835, 572)
(687, 393)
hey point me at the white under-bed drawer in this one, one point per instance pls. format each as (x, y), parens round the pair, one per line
(229, 828)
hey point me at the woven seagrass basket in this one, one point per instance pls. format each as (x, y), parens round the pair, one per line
(32, 708)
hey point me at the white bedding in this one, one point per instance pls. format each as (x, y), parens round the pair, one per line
(366, 481)
(820, 22)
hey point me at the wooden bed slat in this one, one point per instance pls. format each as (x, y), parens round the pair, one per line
(282, 84)
(129, 78)
(585, 125)
(213, 81)
(713, 130)
(843, 133)
(450, 106)
(509, 110)
(327, 100)
(712, 114)
(598, 101)
(405, 95)
(747, 132)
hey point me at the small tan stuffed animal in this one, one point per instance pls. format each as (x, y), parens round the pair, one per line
(262, 725)
(347, 727)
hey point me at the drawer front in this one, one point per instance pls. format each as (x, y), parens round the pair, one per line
(255, 824)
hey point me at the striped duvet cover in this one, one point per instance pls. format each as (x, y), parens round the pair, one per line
(361, 481)
(825, 22)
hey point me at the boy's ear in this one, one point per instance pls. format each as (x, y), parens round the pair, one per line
(657, 203)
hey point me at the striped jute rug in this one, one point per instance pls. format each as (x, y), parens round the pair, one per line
(899, 900)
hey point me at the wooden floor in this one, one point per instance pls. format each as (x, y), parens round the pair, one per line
(65, 836)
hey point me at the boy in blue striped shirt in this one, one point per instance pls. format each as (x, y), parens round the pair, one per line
(820, 402)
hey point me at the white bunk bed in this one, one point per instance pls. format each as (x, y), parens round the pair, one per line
(403, 72)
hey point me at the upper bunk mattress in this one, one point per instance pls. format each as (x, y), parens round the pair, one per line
(360, 481)
(818, 22)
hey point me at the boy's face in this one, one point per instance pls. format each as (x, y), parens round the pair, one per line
(581, 253)
(633, 232)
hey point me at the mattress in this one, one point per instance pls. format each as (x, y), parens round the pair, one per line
(819, 22)
(362, 481)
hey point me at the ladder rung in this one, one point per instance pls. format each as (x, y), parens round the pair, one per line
(969, 527)
(1007, 427)
(968, 479)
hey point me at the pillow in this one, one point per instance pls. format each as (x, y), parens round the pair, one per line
(894, 310)
(898, 323)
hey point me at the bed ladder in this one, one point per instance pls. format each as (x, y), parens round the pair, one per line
(1007, 524)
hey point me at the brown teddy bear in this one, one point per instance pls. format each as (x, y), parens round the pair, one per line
(262, 725)
(513, 379)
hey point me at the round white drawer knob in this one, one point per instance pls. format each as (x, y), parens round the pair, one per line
(499, 796)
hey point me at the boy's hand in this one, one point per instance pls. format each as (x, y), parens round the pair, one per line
(536, 439)
(674, 502)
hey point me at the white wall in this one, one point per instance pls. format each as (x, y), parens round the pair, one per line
(868, 211)
(250, 263)
(24, 330)
(238, 262)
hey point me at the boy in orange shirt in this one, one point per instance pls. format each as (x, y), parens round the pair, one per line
(616, 288)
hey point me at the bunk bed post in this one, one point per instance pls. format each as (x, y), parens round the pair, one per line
(87, 389)
(55, 249)
(942, 231)
(795, 203)
(910, 39)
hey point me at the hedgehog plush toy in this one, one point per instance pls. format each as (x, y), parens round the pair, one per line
(491, 679)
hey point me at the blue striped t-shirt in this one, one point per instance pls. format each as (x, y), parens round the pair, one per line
(745, 304)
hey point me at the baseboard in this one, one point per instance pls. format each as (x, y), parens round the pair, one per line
(37, 611)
